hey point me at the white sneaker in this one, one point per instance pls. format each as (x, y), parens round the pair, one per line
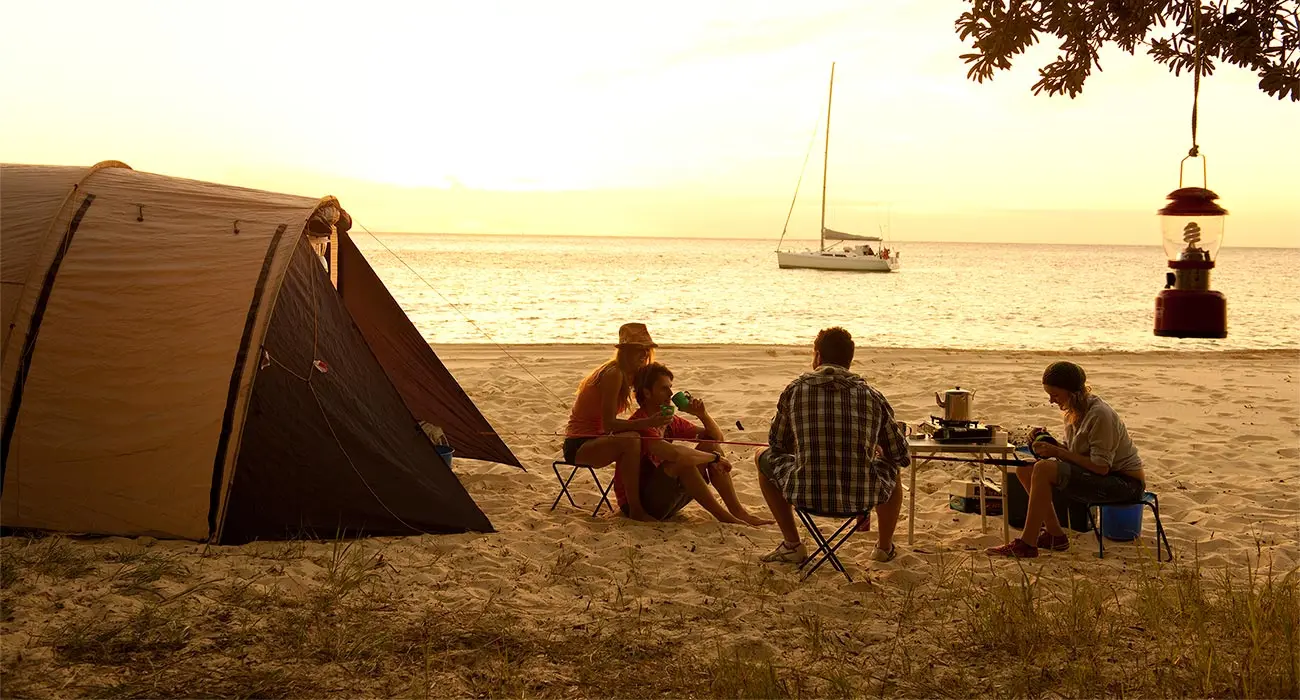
(786, 554)
(882, 556)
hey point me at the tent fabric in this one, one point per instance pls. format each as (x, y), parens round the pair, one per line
(31, 199)
(354, 459)
(132, 349)
(122, 407)
(428, 389)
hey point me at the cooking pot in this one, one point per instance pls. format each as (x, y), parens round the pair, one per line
(957, 404)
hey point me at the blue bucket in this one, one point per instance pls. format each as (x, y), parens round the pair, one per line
(1121, 523)
(446, 453)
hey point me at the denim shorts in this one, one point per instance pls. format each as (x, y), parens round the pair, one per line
(1079, 484)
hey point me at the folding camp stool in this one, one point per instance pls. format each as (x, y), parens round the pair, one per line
(1149, 500)
(826, 546)
(564, 485)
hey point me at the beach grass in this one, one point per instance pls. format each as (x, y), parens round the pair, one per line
(970, 628)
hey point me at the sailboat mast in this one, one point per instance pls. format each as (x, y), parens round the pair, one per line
(826, 156)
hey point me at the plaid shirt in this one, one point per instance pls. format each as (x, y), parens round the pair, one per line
(823, 443)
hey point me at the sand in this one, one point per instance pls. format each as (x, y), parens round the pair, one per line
(1219, 433)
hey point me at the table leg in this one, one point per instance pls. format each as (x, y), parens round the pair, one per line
(911, 503)
(1006, 512)
(984, 509)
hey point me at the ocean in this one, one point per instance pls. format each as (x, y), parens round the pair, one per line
(998, 296)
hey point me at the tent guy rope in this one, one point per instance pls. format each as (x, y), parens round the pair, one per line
(563, 402)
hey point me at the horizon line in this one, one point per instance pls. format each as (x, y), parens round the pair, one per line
(739, 238)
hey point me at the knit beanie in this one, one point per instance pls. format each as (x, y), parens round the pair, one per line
(1065, 375)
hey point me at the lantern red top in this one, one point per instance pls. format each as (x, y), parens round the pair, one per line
(1192, 201)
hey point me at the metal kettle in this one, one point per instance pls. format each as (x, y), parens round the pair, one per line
(957, 404)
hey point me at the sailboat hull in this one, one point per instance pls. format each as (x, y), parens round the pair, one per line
(834, 261)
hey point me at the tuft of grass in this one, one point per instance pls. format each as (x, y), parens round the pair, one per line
(115, 640)
(222, 681)
(348, 570)
(562, 567)
(56, 557)
(142, 567)
(738, 673)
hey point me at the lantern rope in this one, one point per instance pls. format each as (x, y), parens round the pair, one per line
(1196, 74)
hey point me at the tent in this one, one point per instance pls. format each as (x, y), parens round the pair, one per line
(190, 360)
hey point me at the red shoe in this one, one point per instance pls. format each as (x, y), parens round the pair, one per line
(1017, 549)
(1056, 543)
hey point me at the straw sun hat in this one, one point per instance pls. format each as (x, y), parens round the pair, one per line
(635, 334)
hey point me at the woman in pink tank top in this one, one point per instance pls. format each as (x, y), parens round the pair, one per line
(595, 435)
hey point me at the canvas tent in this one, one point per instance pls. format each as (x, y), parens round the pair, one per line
(179, 362)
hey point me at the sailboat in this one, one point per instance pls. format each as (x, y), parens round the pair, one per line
(860, 255)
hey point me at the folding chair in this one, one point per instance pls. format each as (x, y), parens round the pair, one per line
(1149, 500)
(564, 485)
(826, 546)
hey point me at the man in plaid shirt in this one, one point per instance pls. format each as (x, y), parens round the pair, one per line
(834, 448)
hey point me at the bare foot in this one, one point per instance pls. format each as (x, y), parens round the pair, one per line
(753, 519)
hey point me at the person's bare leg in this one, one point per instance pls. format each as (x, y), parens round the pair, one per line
(1040, 504)
(624, 450)
(781, 510)
(887, 514)
(722, 482)
(698, 489)
(1025, 474)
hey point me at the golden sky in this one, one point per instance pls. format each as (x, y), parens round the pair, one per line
(599, 118)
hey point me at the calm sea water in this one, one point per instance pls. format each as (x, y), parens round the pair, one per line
(947, 295)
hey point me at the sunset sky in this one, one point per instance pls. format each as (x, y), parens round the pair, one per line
(599, 118)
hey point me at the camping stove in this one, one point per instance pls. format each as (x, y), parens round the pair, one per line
(962, 432)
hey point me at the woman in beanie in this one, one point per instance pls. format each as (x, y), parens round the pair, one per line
(1097, 464)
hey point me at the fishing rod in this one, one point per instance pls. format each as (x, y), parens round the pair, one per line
(988, 460)
(627, 437)
(997, 462)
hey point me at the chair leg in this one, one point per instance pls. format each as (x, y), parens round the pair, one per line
(564, 484)
(1160, 529)
(827, 547)
(811, 527)
(604, 493)
(1096, 527)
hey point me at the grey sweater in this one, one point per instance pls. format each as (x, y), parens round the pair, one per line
(1102, 437)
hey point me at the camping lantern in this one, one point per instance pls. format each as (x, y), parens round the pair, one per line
(1192, 227)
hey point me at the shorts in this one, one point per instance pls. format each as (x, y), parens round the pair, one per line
(662, 494)
(1079, 484)
(571, 447)
(765, 466)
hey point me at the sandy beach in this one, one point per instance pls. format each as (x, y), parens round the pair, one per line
(563, 604)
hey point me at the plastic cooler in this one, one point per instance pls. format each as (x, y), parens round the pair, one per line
(1121, 523)
(446, 452)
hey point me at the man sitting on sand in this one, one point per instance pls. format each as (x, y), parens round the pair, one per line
(669, 475)
(834, 447)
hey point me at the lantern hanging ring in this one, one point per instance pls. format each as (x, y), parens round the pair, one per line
(1205, 180)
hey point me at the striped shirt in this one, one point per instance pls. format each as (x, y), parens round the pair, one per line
(823, 443)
